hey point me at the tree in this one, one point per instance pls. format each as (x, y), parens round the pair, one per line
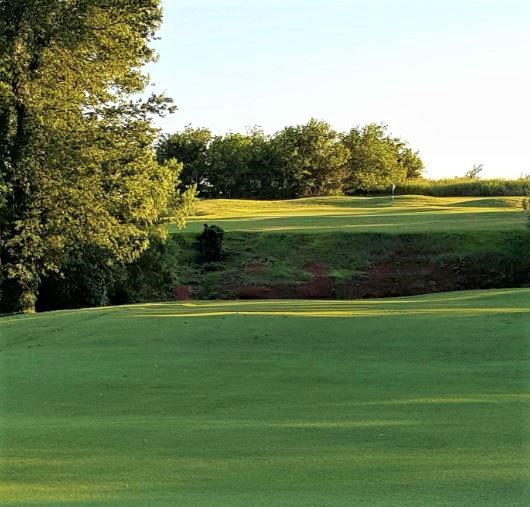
(410, 161)
(191, 148)
(229, 158)
(77, 168)
(473, 173)
(313, 159)
(239, 165)
(375, 159)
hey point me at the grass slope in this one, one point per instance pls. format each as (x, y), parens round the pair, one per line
(362, 214)
(355, 265)
(412, 401)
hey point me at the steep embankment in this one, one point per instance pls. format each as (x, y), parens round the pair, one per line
(357, 247)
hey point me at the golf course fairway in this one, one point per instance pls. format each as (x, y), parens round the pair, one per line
(416, 401)
(404, 214)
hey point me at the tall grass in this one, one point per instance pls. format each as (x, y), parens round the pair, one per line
(458, 187)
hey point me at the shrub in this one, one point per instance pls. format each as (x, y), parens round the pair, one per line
(210, 243)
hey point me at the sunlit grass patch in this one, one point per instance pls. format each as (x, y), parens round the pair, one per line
(363, 214)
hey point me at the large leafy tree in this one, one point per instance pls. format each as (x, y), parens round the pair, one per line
(377, 160)
(313, 160)
(229, 160)
(190, 147)
(410, 160)
(240, 165)
(76, 164)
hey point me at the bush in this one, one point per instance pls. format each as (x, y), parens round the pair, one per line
(85, 282)
(90, 280)
(210, 243)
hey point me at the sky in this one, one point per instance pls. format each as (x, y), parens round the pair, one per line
(452, 77)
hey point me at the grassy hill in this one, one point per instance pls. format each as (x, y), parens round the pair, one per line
(351, 247)
(409, 401)
(405, 214)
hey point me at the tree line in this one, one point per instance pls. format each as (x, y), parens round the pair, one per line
(298, 161)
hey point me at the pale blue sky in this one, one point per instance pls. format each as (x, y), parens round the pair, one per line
(452, 77)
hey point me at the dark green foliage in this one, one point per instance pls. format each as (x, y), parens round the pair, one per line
(76, 163)
(376, 161)
(486, 269)
(411, 161)
(298, 161)
(210, 244)
(189, 147)
(525, 203)
(239, 166)
(94, 280)
(152, 277)
(312, 158)
(84, 281)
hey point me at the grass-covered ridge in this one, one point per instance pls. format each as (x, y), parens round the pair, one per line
(348, 266)
(351, 247)
(362, 214)
(410, 401)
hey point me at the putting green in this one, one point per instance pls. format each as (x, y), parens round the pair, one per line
(411, 401)
(362, 214)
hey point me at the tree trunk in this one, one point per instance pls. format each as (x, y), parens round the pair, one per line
(18, 289)
(17, 296)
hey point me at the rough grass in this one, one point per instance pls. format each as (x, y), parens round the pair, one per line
(466, 187)
(414, 263)
(362, 214)
(411, 401)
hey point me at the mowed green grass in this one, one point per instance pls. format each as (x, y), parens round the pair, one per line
(362, 214)
(417, 401)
